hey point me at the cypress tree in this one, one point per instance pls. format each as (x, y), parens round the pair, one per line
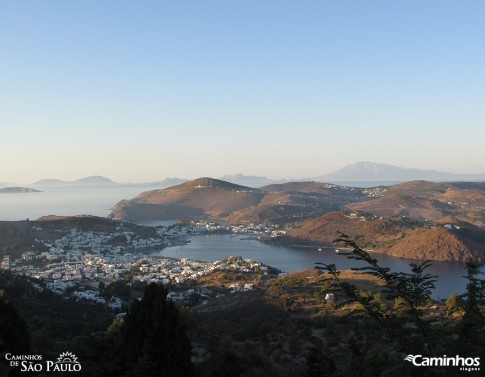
(154, 337)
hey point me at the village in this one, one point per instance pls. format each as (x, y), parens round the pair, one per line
(77, 262)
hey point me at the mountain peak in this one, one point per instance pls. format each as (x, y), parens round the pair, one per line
(367, 171)
(94, 179)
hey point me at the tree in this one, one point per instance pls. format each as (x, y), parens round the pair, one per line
(14, 336)
(318, 364)
(472, 332)
(154, 339)
(225, 361)
(408, 327)
(452, 304)
(412, 290)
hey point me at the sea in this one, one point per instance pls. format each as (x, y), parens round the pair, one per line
(61, 201)
(100, 201)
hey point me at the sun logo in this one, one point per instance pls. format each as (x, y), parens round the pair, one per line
(67, 357)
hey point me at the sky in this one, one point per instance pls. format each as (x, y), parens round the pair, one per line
(142, 90)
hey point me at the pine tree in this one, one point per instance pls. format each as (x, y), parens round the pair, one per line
(472, 331)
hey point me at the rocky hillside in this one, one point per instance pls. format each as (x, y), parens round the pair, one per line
(415, 220)
(423, 200)
(17, 237)
(369, 232)
(293, 202)
(446, 240)
(207, 197)
(197, 198)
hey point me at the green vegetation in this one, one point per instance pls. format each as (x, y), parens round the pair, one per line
(405, 320)
(153, 336)
(42, 309)
(225, 361)
(13, 330)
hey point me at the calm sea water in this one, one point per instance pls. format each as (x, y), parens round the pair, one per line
(63, 202)
(99, 202)
(291, 259)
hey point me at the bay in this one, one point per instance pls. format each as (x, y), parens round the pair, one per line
(292, 259)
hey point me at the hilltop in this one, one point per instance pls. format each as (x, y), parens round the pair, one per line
(200, 197)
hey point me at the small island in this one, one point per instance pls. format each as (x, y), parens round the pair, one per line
(16, 190)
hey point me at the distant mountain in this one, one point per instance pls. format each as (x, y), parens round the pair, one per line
(16, 190)
(249, 180)
(94, 181)
(50, 182)
(99, 181)
(167, 182)
(87, 181)
(367, 171)
(6, 184)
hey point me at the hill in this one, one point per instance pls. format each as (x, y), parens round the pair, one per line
(17, 237)
(201, 197)
(17, 190)
(55, 315)
(298, 201)
(370, 232)
(403, 238)
(50, 182)
(87, 181)
(422, 200)
(207, 197)
(94, 180)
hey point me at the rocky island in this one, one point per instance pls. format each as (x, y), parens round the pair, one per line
(17, 190)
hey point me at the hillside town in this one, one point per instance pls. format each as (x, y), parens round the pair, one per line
(79, 261)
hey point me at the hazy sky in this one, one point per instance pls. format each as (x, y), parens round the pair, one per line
(142, 90)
